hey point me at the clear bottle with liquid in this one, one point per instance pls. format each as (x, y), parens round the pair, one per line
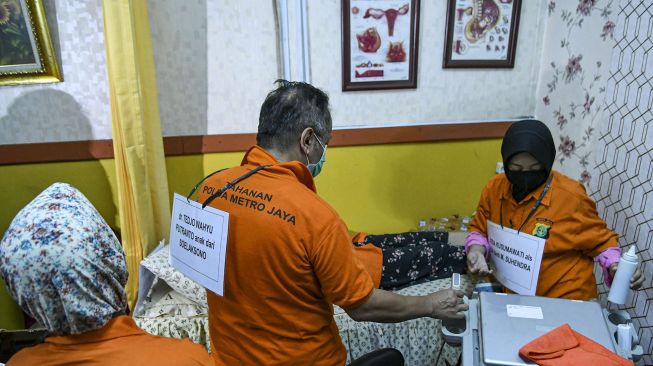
(422, 226)
(464, 226)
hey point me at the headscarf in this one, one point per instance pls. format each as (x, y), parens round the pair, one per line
(533, 137)
(63, 264)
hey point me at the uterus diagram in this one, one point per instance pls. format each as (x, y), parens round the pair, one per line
(389, 14)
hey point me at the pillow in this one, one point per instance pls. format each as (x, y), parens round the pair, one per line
(159, 265)
(162, 300)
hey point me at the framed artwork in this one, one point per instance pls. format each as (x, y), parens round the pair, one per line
(481, 33)
(379, 44)
(26, 53)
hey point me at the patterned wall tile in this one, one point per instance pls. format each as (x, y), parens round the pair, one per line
(179, 41)
(623, 186)
(242, 62)
(76, 109)
(216, 61)
(442, 95)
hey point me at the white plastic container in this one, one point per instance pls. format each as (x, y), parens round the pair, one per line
(624, 339)
(456, 326)
(621, 283)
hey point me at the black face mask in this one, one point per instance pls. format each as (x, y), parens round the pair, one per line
(524, 183)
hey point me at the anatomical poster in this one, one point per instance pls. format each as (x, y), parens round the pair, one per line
(481, 33)
(380, 44)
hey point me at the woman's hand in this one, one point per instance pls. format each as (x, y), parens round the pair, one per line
(476, 263)
(635, 282)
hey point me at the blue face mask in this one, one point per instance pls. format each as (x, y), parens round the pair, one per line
(316, 168)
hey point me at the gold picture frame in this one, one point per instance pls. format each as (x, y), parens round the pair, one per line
(26, 52)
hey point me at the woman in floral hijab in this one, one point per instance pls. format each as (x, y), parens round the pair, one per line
(63, 264)
(65, 268)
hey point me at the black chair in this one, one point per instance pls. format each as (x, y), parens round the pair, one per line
(380, 357)
(12, 341)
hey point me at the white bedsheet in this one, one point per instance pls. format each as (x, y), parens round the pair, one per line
(419, 340)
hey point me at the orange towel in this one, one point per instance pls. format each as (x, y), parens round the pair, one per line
(563, 346)
(370, 256)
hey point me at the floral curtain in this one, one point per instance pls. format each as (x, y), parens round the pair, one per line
(571, 90)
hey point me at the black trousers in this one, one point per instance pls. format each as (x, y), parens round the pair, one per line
(415, 257)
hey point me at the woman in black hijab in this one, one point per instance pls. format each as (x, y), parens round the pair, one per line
(533, 198)
(528, 137)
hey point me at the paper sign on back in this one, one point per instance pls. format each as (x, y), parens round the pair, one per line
(198, 242)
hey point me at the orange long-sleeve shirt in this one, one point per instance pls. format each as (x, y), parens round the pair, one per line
(576, 233)
(119, 342)
(289, 258)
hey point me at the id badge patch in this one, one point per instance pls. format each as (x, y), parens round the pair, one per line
(541, 230)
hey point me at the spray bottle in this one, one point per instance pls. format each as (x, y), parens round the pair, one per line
(621, 283)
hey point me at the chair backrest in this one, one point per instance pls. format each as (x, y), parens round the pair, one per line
(12, 341)
(380, 357)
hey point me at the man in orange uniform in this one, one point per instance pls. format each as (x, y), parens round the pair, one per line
(289, 256)
(533, 199)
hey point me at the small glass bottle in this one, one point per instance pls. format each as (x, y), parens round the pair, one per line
(465, 223)
(422, 225)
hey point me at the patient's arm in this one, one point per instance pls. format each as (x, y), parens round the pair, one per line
(388, 307)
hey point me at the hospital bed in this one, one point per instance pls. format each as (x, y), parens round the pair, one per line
(174, 306)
